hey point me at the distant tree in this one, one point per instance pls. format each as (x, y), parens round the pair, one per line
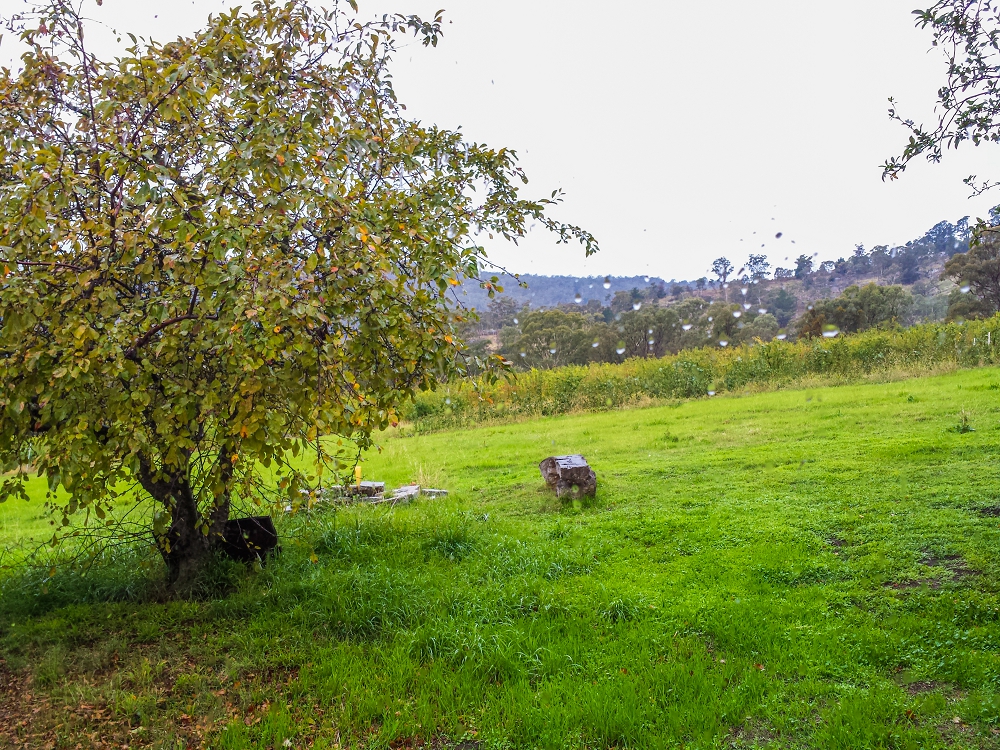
(501, 312)
(758, 267)
(722, 269)
(783, 305)
(979, 270)
(909, 267)
(841, 267)
(803, 266)
(827, 266)
(701, 283)
(857, 309)
(783, 273)
(677, 290)
(551, 338)
(859, 262)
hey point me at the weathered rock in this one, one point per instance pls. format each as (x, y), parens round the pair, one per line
(569, 475)
(249, 539)
(428, 492)
(367, 489)
(406, 493)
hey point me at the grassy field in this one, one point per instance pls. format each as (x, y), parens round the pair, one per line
(800, 569)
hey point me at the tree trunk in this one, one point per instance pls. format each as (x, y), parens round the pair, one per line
(186, 547)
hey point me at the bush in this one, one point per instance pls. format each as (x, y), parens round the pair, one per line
(694, 372)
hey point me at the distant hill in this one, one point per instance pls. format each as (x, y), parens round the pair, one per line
(550, 291)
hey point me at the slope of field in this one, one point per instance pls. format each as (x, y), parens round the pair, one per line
(808, 568)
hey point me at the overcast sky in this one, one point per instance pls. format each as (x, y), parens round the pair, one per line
(680, 131)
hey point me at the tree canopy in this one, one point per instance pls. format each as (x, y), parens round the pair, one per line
(216, 250)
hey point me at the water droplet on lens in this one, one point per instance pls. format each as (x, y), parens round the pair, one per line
(636, 305)
(778, 235)
(723, 342)
(830, 331)
(578, 299)
(607, 282)
(523, 354)
(761, 310)
(809, 308)
(452, 233)
(646, 278)
(596, 344)
(965, 289)
(726, 285)
(737, 313)
(710, 318)
(649, 331)
(746, 305)
(516, 321)
(621, 347)
(711, 393)
(744, 290)
(686, 326)
(781, 336)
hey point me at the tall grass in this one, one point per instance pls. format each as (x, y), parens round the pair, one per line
(699, 372)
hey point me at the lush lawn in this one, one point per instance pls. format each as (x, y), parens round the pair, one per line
(795, 569)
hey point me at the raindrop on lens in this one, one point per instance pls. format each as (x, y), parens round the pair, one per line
(778, 236)
(746, 305)
(711, 393)
(447, 401)
(782, 335)
(737, 313)
(552, 348)
(578, 299)
(809, 308)
(636, 305)
(726, 285)
(596, 344)
(723, 342)
(516, 321)
(646, 278)
(621, 347)
(761, 310)
(651, 342)
(830, 331)
(965, 289)
(744, 290)
(710, 318)
(741, 325)
(523, 354)
(649, 331)
(686, 326)
(607, 282)
(452, 233)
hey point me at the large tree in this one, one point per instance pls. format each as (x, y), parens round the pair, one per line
(216, 250)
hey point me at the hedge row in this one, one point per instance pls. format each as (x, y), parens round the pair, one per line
(699, 372)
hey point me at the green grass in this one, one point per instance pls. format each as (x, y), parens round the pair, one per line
(799, 569)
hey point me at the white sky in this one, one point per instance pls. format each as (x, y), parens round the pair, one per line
(676, 128)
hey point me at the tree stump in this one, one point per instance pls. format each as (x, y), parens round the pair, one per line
(569, 475)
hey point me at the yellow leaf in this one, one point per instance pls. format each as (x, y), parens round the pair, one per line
(280, 159)
(453, 282)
